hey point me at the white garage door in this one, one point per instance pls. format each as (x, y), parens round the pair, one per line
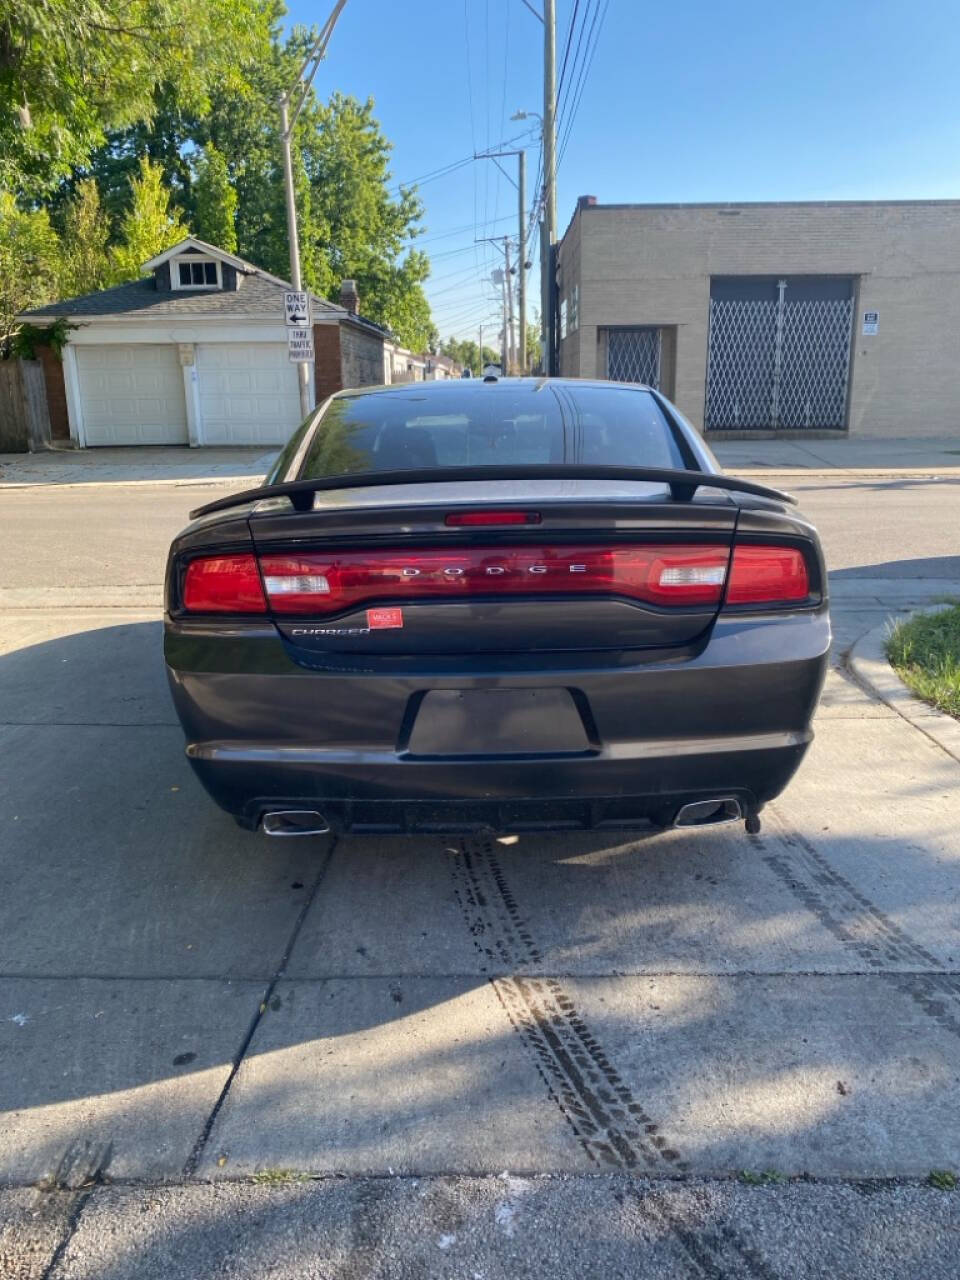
(248, 393)
(132, 394)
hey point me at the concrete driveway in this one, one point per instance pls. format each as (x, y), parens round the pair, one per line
(699, 1054)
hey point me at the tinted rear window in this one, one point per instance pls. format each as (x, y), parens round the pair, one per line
(490, 425)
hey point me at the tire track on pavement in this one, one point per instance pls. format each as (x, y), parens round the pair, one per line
(607, 1119)
(859, 924)
(720, 1252)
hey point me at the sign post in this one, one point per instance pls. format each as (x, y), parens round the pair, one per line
(296, 314)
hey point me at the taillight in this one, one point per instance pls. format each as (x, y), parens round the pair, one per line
(767, 575)
(223, 584)
(475, 519)
(335, 581)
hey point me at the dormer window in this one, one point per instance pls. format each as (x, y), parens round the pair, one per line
(195, 273)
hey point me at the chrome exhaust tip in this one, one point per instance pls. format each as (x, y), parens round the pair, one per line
(709, 813)
(294, 822)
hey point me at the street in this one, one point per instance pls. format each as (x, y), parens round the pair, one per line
(878, 528)
(688, 1054)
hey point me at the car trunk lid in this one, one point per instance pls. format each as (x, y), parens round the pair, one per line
(488, 567)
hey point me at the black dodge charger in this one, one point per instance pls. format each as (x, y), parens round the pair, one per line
(499, 605)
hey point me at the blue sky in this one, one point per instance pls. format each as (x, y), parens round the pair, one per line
(691, 101)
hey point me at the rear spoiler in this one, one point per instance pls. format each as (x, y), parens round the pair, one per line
(683, 484)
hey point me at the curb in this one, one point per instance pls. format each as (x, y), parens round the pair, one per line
(868, 663)
(180, 482)
(818, 472)
(143, 598)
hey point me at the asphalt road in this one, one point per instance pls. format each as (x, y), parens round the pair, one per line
(117, 535)
(697, 1054)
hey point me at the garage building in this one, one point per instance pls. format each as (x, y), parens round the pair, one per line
(763, 319)
(195, 353)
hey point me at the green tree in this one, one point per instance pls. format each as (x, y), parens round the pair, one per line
(534, 351)
(214, 200)
(468, 354)
(29, 261)
(149, 226)
(84, 260)
(353, 223)
(358, 226)
(354, 220)
(72, 69)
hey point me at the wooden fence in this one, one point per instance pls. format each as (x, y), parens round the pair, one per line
(24, 415)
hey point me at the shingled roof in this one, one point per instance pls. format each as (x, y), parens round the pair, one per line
(260, 295)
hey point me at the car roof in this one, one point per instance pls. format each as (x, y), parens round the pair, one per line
(476, 385)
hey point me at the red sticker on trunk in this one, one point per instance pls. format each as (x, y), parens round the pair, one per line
(378, 618)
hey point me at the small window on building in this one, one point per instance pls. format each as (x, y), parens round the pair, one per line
(193, 274)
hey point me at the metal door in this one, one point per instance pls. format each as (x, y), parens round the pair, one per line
(779, 353)
(633, 355)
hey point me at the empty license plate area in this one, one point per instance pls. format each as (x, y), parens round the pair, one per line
(498, 722)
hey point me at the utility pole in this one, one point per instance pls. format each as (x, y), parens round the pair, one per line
(522, 260)
(502, 277)
(504, 344)
(297, 96)
(303, 369)
(548, 227)
(511, 346)
(519, 350)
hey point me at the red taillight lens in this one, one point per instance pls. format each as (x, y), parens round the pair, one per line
(333, 582)
(767, 575)
(473, 519)
(223, 584)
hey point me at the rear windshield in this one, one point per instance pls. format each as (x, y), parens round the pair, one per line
(488, 425)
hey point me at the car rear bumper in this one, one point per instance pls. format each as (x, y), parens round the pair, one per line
(381, 791)
(731, 719)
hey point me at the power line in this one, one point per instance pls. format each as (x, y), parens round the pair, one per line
(506, 64)
(486, 105)
(457, 312)
(466, 35)
(566, 51)
(451, 253)
(454, 231)
(599, 16)
(450, 275)
(467, 316)
(464, 284)
(563, 100)
(434, 174)
(445, 169)
(470, 326)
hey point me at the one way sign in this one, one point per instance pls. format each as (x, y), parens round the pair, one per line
(296, 308)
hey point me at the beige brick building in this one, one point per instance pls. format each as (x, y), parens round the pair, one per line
(833, 316)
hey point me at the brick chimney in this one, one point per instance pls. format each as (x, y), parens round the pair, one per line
(349, 298)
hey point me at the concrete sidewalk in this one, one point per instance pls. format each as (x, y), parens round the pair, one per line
(180, 465)
(859, 456)
(147, 465)
(697, 1053)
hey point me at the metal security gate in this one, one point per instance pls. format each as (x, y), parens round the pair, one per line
(633, 355)
(779, 353)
